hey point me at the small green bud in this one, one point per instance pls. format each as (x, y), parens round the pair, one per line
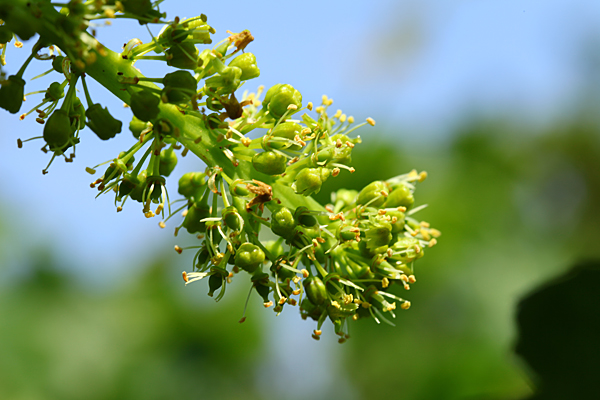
(378, 234)
(406, 249)
(197, 211)
(239, 189)
(263, 291)
(144, 105)
(315, 290)
(397, 220)
(11, 94)
(58, 131)
(183, 56)
(57, 64)
(309, 180)
(128, 184)
(179, 86)
(279, 97)
(138, 191)
(191, 185)
(400, 196)
(168, 161)
(372, 194)
(6, 34)
(247, 63)
(54, 92)
(102, 123)
(232, 218)
(304, 217)
(77, 113)
(136, 126)
(287, 130)
(227, 81)
(215, 281)
(269, 163)
(249, 257)
(283, 223)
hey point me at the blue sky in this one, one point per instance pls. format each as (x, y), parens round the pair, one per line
(417, 67)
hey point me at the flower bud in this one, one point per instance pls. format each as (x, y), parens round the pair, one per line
(305, 217)
(309, 180)
(58, 131)
(247, 63)
(269, 163)
(371, 194)
(283, 223)
(180, 86)
(226, 81)
(11, 94)
(279, 97)
(57, 64)
(144, 105)
(378, 234)
(183, 56)
(102, 123)
(232, 218)
(249, 257)
(128, 184)
(288, 130)
(315, 290)
(77, 113)
(136, 126)
(168, 161)
(215, 281)
(54, 92)
(191, 185)
(400, 196)
(197, 211)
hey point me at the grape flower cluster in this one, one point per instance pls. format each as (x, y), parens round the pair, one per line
(266, 153)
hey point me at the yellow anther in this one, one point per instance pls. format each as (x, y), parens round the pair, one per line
(432, 243)
(185, 277)
(335, 304)
(355, 317)
(324, 99)
(405, 305)
(296, 278)
(330, 102)
(335, 172)
(119, 209)
(317, 332)
(385, 282)
(268, 304)
(245, 141)
(178, 249)
(351, 119)
(305, 131)
(406, 286)
(348, 298)
(304, 273)
(338, 143)
(350, 144)
(309, 106)
(292, 107)
(352, 170)
(149, 214)
(404, 278)
(296, 292)
(412, 279)
(162, 224)
(422, 176)
(282, 300)
(391, 307)
(371, 121)
(434, 232)
(381, 212)
(343, 118)
(320, 109)
(401, 209)
(18, 44)
(338, 113)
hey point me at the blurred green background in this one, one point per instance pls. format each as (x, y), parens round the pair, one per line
(516, 201)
